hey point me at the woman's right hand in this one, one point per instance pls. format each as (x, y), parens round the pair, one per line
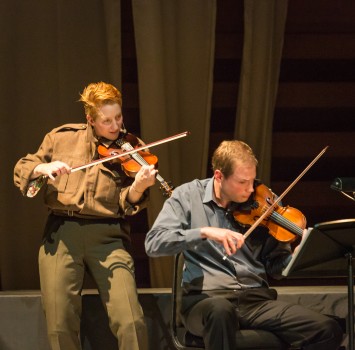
(51, 170)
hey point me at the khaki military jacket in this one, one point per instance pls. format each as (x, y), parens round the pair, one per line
(94, 192)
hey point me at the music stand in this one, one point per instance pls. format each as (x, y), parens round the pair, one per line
(327, 250)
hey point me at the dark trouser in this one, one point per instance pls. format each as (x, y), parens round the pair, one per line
(71, 246)
(216, 318)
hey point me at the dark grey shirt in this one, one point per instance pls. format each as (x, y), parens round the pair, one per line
(177, 228)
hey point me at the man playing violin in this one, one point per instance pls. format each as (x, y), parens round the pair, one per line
(86, 228)
(225, 276)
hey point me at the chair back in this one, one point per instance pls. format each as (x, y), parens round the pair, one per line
(176, 324)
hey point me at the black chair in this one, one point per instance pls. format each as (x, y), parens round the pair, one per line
(184, 340)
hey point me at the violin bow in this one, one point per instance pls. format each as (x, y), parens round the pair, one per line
(127, 153)
(36, 184)
(268, 211)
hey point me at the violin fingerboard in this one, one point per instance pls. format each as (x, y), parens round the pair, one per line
(126, 146)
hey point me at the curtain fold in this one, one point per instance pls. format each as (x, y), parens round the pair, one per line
(264, 24)
(113, 35)
(175, 54)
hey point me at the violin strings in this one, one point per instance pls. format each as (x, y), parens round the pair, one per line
(284, 222)
(287, 223)
(128, 147)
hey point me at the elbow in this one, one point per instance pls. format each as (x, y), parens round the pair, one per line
(149, 249)
(154, 250)
(152, 253)
(149, 252)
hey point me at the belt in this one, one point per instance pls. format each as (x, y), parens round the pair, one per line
(64, 212)
(71, 214)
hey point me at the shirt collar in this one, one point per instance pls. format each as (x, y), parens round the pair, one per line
(209, 194)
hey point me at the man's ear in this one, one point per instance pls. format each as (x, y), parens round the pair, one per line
(218, 175)
(90, 119)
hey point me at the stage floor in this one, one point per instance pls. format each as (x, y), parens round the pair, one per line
(22, 323)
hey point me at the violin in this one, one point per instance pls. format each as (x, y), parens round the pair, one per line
(132, 162)
(36, 184)
(285, 224)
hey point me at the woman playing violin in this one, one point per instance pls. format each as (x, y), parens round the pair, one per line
(225, 279)
(86, 228)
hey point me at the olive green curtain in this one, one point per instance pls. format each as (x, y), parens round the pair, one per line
(264, 23)
(49, 50)
(175, 50)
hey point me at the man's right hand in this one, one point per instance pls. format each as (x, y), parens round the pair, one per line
(230, 240)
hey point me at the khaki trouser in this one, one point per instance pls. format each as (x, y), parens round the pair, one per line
(70, 246)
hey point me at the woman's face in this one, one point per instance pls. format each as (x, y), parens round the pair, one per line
(108, 122)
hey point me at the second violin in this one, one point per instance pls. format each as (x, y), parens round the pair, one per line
(284, 223)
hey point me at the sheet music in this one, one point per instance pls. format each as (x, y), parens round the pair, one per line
(324, 251)
(305, 236)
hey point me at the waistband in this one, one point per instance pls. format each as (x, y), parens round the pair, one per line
(73, 215)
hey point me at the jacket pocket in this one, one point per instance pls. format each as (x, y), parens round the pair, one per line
(108, 187)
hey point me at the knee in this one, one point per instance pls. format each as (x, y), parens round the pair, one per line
(127, 326)
(221, 311)
(329, 334)
(334, 330)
